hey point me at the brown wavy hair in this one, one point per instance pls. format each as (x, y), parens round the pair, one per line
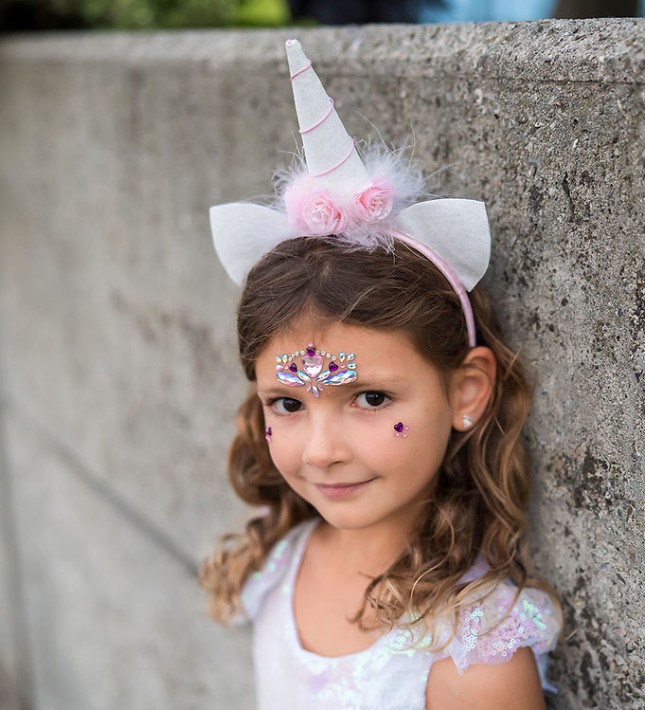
(481, 492)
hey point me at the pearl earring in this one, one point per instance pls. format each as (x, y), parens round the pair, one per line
(468, 421)
(268, 433)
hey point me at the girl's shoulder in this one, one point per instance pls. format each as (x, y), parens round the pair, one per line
(499, 621)
(273, 571)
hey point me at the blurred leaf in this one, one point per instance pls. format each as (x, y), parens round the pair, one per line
(143, 14)
(262, 13)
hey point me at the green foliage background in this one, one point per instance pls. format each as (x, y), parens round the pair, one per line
(173, 14)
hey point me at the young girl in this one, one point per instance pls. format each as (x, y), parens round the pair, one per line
(381, 440)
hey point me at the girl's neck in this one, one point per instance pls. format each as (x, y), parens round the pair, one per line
(369, 551)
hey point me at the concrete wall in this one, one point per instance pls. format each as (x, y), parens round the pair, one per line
(117, 346)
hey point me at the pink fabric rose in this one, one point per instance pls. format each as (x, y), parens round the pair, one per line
(374, 203)
(313, 212)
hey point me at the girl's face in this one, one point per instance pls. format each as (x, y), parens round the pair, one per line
(339, 451)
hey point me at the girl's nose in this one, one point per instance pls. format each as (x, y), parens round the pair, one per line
(325, 444)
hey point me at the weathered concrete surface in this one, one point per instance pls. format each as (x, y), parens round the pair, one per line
(116, 321)
(14, 658)
(115, 621)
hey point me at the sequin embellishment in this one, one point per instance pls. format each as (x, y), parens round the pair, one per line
(311, 373)
(393, 671)
(492, 631)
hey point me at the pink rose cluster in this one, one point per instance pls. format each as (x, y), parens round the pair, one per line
(316, 211)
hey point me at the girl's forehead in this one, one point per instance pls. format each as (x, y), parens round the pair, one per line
(335, 339)
(351, 355)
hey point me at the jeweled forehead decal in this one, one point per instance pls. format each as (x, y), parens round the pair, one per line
(306, 368)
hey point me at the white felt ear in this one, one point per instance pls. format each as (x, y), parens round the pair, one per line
(243, 233)
(457, 230)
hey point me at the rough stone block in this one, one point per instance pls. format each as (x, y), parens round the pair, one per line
(116, 322)
(116, 620)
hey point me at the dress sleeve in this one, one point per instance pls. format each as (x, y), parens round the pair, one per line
(272, 572)
(491, 630)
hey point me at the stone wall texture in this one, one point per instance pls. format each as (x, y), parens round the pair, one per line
(117, 347)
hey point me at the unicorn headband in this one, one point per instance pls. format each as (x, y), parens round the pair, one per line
(362, 206)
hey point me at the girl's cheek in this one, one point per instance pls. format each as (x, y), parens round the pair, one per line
(283, 449)
(383, 428)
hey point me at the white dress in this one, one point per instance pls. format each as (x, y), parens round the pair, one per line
(392, 673)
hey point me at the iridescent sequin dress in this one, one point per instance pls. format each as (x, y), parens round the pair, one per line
(392, 673)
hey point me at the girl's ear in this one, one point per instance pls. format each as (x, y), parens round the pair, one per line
(471, 387)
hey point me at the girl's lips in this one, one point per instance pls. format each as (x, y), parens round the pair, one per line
(341, 490)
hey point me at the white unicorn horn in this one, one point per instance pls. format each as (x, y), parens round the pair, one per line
(329, 150)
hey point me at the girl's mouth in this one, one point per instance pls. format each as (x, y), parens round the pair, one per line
(341, 490)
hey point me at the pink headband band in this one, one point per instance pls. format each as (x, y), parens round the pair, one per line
(450, 275)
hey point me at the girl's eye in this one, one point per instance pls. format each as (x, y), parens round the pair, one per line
(372, 400)
(286, 405)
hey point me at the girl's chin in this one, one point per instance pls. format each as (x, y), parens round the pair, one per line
(351, 518)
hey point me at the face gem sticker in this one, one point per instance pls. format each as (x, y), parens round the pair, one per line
(306, 368)
(401, 429)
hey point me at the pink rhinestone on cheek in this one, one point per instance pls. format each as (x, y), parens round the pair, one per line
(401, 429)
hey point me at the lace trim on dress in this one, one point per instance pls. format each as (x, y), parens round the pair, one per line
(488, 631)
(491, 630)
